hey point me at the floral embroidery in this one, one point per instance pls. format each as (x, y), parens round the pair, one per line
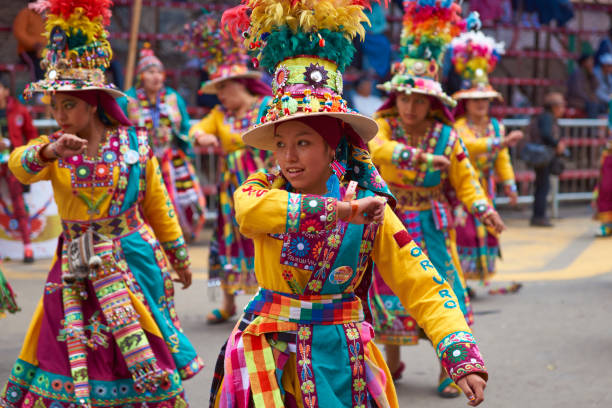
(177, 253)
(304, 333)
(459, 355)
(315, 285)
(300, 246)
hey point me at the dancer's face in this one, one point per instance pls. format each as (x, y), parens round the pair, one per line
(477, 108)
(303, 156)
(71, 113)
(153, 79)
(413, 108)
(232, 95)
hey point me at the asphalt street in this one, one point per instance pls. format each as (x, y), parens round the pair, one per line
(550, 345)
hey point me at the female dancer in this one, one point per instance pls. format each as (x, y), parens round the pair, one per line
(105, 332)
(243, 97)
(423, 160)
(162, 111)
(474, 56)
(317, 225)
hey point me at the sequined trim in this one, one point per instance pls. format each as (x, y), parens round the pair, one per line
(31, 160)
(177, 253)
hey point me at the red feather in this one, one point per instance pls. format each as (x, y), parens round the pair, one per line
(236, 17)
(92, 8)
(368, 3)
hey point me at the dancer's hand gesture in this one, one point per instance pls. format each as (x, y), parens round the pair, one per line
(473, 387)
(66, 146)
(184, 277)
(363, 211)
(205, 139)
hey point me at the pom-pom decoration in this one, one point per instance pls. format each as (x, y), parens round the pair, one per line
(274, 30)
(475, 55)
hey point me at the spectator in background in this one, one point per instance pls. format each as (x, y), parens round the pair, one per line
(603, 73)
(374, 53)
(544, 130)
(605, 47)
(28, 29)
(16, 129)
(362, 98)
(582, 87)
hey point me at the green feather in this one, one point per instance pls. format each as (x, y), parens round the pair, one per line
(283, 43)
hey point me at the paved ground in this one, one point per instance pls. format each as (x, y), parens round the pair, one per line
(548, 346)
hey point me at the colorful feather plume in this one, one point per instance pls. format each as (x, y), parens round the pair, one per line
(76, 31)
(275, 30)
(213, 46)
(430, 25)
(474, 51)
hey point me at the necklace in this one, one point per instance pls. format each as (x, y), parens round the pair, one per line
(88, 172)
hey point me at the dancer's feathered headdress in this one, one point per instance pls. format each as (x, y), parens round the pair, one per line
(78, 51)
(306, 44)
(474, 56)
(224, 56)
(428, 28)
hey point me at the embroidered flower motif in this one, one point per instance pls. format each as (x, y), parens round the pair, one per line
(300, 247)
(287, 275)
(313, 205)
(376, 180)
(352, 333)
(13, 394)
(456, 353)
(316, 249)
(28, 401)
(333, 240)
(308, 387)
(359, 384)
(315, 285)
(312, 226)
(304, 333)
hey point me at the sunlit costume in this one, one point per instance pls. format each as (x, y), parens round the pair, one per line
(303, 340)
(423, 193)
(231, 254)
(474, 57)
(105, 333)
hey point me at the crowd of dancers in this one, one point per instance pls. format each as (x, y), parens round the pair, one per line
(347, 230)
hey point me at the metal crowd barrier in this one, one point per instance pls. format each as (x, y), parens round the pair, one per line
(585, 139)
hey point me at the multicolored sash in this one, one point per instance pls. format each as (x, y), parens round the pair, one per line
(106, 276)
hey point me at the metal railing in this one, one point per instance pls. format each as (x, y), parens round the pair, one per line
(585, 138)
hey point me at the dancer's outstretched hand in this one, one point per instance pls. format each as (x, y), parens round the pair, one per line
(363, 211)
(205, 139)
(473, 387)
(66, 146)
(184, 277)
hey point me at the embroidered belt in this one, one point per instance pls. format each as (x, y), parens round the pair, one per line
(416, 198)
(315, 309)
(111, 227)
